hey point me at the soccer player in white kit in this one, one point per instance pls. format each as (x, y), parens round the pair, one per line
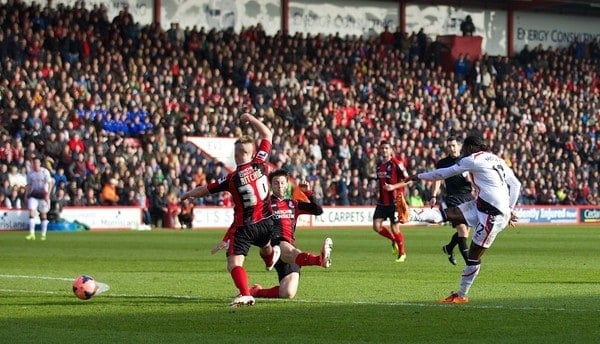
(39, 185)
(497, 194)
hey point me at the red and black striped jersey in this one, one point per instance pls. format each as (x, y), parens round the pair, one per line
(390, 172)
(249, 188)
(286, 212)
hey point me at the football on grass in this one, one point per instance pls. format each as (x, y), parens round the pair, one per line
(84, 287)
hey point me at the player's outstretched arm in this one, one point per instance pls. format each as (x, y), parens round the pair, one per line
(221, 245)
(392, 187)
(200, 191)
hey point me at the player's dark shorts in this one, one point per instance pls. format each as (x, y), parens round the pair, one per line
(277, 238)
(257, 234)
(385, 212)
(284, 269)
(455, 200)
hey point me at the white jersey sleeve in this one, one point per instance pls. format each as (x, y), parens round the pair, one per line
(495, 181)
(514, 188)
(443, 173)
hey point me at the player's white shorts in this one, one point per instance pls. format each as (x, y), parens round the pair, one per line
(39, 204)
(486, 227)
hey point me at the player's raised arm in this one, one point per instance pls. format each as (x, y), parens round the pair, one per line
(312, 206)
(258, 125)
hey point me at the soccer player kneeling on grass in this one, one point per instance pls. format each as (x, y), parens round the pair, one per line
(291, 259)
(285, 214)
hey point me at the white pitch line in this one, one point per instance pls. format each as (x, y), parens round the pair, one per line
(369, 303)
(32, 292)
(38, 277)
(190, 297)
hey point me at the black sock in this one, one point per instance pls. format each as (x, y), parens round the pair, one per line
(462, 246)
(452, 243)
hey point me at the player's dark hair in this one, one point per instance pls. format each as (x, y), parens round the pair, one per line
(451, 138)
(476, 141)
(383, 142)
(278, 173)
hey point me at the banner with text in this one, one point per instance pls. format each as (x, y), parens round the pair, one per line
(351, 17)
(552, 30)
(97, 218)
(589, 215)
(112, 218)
(542, 215)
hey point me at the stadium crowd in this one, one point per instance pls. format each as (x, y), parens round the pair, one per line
(109, 105)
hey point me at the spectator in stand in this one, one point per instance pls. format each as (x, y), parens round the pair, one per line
(386, 38)
(461, 67)
(77, 169)
(78, 198)
(3, 203)
(91, 199)
(60, 179)
(186, 214)
(58, 201)
(5, 188)
(158, 206)
(173, 211)
(3, 173)
(143, 202)
(467, 27)
(546, 197)
(415, 200)
(15, 199)
(16, 177)
(76, 144)
(109, 195)
(529, 193)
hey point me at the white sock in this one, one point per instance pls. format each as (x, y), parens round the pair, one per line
(432, 215)
(31, 226)
(44, 227)
(469, 274)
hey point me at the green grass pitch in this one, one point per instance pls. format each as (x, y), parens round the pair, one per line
(537, 285)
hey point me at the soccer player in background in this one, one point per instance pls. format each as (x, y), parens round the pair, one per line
(457, 190)
(249, 187)
(285, 215)
(497, 193)
(39, 186)
(389, 172)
